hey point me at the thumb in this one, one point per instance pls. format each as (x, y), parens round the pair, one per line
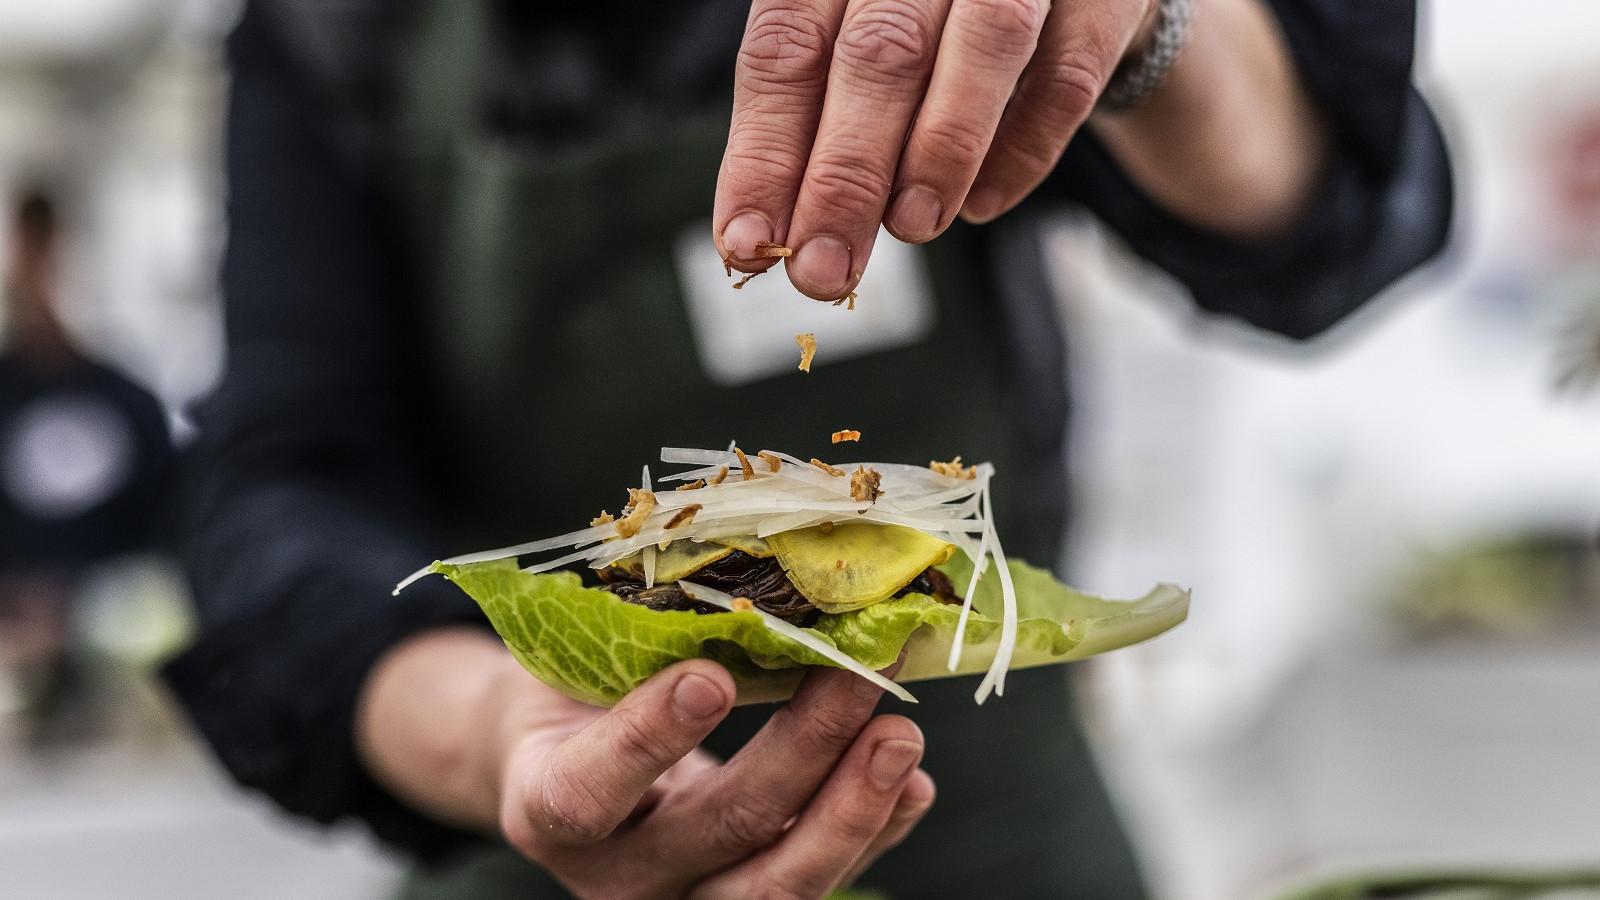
(580, 791)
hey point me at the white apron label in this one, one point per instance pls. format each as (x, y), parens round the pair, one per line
(747, 335)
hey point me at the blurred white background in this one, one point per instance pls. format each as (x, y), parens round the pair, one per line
(1393, 654)
(117, 104)
(1392, 659)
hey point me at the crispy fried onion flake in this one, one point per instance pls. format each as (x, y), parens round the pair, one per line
(640, 502)
(954, 469)
(808, 349)
(684, 516)
(864, 483)
(831, 470)
(744, 464)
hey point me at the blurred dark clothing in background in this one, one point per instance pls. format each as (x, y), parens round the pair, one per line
(84, 457)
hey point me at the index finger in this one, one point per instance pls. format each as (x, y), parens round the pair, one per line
(779, 80)
(591, 782)
(882, 61)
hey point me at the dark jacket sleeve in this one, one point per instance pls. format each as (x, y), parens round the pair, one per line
(1385, 202)
(303, 501)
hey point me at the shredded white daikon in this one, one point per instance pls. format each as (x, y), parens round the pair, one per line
(996, 678)
(979, 562)
(799, 635)
(798, 495)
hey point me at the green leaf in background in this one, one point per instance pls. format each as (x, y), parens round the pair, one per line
(594, 647)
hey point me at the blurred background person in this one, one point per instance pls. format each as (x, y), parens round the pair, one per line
(84, 456)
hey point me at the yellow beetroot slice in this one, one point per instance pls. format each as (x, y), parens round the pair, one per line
(855, 564)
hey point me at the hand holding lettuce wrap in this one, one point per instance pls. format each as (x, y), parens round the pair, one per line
(621, 803)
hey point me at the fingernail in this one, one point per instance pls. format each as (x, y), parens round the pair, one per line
(696, 697)
(982, 205)
(915, 214)
(824, 264)
(892, 761)
(739, 239)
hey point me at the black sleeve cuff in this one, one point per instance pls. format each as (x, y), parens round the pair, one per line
(1357, 239)
(286, 734)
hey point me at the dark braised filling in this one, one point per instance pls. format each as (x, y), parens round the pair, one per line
(760, 579)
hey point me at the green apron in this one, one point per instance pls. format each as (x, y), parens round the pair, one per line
(561, 360)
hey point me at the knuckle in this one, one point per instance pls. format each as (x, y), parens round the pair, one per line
(955, 142)
(770, 151)
(745, 824)
(786, 44)
(637, 742)
(893, 38)
(1029, 157)
(1009, 24)
(570, 810)
(841, 187)
(829, 731)
(1070, 86)
(1033, 152)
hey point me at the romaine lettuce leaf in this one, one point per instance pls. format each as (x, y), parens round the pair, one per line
(594, 647)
